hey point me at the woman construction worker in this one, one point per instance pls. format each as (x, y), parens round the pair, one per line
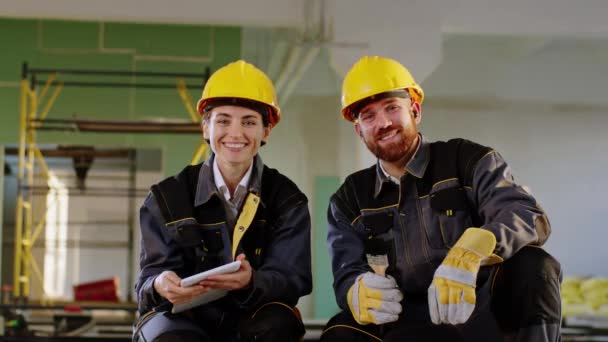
(231, 207)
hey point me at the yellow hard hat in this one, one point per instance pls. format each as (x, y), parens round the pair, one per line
(242, 84)
(374, 75)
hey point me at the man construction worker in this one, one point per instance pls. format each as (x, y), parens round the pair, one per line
(231, 207)
(458, 240)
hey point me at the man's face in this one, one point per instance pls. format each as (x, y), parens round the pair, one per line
(235, 134)
(389, 128)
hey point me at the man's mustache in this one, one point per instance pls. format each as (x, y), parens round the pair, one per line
(384, 130)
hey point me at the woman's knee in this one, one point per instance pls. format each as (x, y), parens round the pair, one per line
(273, 322)
(164, 326)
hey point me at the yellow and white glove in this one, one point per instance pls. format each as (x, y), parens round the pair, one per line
(374, 299)
(452, 292)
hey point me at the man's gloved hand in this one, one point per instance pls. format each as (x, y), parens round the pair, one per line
(452, 292)
(374, 299)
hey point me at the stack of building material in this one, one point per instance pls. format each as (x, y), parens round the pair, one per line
(105, 290)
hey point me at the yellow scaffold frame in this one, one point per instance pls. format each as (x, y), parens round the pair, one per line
(27, 230)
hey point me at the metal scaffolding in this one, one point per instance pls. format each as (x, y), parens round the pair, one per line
(33, 118)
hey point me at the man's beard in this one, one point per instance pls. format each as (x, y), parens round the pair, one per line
(392, 152)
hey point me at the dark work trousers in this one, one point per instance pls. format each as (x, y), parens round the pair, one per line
(270, 322)
(520, 302)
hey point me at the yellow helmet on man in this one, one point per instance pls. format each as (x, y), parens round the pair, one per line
(372, 77)
(242, 84)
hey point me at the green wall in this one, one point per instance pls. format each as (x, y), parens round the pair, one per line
(112, 46)
(323, 293)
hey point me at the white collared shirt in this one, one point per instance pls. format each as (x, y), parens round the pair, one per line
(231, 203)
(391, 178)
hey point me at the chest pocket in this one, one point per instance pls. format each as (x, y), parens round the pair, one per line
(380, 239)
(204, 245)
(447, 213)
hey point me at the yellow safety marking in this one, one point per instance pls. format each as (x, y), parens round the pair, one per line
(277, 303)
(373, 209)
(487, 154)
(350, 327)
(244, 221)
(180, 220)
(443, 181)
(192, 218)
(381, 208)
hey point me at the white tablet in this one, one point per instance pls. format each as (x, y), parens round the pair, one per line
(210, 295)
(205, 298)
(227, 268)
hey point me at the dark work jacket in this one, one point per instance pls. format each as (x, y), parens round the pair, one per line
(185, 231)
(447, 188)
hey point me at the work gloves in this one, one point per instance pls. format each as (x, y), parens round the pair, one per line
(374, 299)
(452, 292)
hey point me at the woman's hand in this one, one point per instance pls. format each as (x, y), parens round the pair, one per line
(232, 281)
(167, 285)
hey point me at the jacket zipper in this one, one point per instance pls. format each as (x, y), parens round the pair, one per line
(404, 236)
(422, 230)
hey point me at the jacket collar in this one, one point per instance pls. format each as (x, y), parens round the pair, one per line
(206, 188)
(416, 166)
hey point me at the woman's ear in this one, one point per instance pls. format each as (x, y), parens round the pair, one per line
(205, 126)
(267, 130)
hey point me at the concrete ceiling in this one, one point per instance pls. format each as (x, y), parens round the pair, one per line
(556, 17)
(408, 30)
(465, 48)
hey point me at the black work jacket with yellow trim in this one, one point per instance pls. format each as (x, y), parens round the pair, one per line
(183, 229)
(447, 188)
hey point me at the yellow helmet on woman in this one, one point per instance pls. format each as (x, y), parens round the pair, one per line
(372, 76)
(242, 84)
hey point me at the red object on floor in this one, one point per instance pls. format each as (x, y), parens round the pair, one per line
(101, 290)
